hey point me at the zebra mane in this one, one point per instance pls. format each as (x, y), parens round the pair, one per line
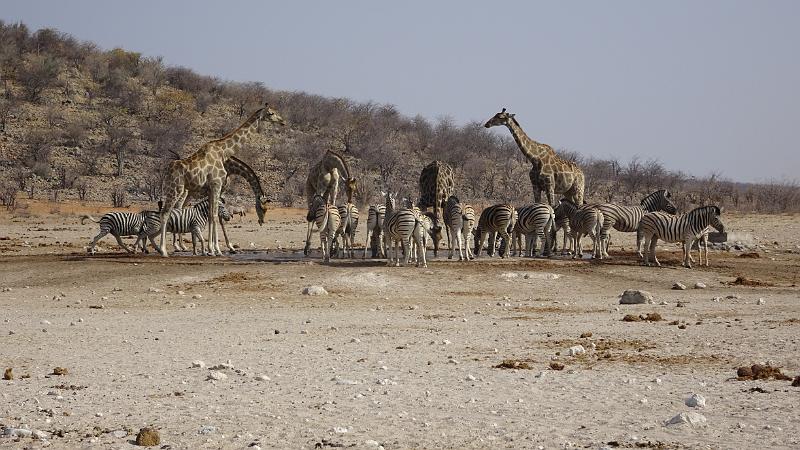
(703, 209)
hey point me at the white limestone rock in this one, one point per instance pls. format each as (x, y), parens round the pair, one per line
(314, 290)
(687, 418)
(696, 401)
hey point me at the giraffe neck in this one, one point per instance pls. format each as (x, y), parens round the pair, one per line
(335, 160)
(532, 150)
(233, 141)
(236, 166)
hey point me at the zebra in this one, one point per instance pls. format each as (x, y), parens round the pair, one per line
(425, 221)
(534, 222)
(626, 218)
(685, 228)
(586, 221)
(185, 220)
(375, 227)
(347, 229)
(400, 227)
(702, 243)
(561, 222)
(467, 228)
(327, 219)
(456, 221)
(494, 220)
(119, 224)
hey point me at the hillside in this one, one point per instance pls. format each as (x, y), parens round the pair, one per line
(80, 122)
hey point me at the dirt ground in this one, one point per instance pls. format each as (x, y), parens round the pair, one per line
(393, 357)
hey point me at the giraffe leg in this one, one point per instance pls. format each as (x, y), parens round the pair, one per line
(225, 235)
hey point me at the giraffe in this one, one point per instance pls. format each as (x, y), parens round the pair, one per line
(323, 179)
(549, 173)
(234, 166)
(436, 185)
(205, 170)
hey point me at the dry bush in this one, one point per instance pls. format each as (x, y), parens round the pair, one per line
(119, 197)
(82, 188)
(75, 132)
(39, 72)
(8, 196)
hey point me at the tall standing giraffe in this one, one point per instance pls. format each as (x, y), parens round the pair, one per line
(549, 173)
(204, 170)
(436, 185)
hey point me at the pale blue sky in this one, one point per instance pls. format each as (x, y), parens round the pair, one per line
(701, 85)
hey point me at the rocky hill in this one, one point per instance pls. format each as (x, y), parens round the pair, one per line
(80, 122)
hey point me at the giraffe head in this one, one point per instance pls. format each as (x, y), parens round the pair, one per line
(350, 188)
(501, 118)
(262, 202)
(267, 114)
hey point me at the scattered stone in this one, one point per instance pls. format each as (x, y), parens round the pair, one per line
(761, 301)
(700, 285)
(314, 290)
(44, 322)
(181, 293)
(678, 286)
(148, 437)
(576, 350)
(696, 401)
(154, 290)
(691, 418)
(8, 374)
(717, 299)
(513, 364)
(586, 335)
(40, 435)
(197, 296)
(343, 381)
(207, 429)
(263, 378)
(119, 434)
(340, 430)
(471, 377)
(17, 432)
(631, 318)
(60, 371)
(556, 366)
(217, 376)
(634, 297)
(796, 382)
(197, 364)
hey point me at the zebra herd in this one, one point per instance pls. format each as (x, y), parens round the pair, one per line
(401, 234)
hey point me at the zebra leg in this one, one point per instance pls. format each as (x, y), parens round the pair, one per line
(639, 239)
(705, 246)
(366, 246)
(308, 238)
(687, 248)
(504, 235)
(419, 238)
(652, 250)
(457, 235)
(93, 244)
(122, 244)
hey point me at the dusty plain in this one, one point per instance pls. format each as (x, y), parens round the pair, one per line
(392, 357)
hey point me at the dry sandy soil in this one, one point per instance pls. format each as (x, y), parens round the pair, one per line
(397, 357)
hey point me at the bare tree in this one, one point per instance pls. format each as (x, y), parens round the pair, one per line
(119, 138)
(8, 107)
(152, 73)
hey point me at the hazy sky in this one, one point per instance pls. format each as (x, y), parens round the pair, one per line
(701, 85)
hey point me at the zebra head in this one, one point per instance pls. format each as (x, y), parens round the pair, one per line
(716, 222)
(452, 200)
(659, 201)
(501, 118)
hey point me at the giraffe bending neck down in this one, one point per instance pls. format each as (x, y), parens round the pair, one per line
(323, 178)
(550, 173)
(204, 170)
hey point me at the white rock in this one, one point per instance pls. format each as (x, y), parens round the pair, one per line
(207, 429)
(263, 378)
(314, 290)
(471, 377)
(761, 301)
(576, 350)
(44, 322)
(181, 293)
(692, 418)
(699, 285)
(340, 430)
(678, 286)
(197, 364)
(717, 299)
(355, 340)
(696, 401)
(343, 381)
(156, 290)
(634, 296)
(197, 296)
(40, 435)
(119, 434)
(17, 432)
(371, 443)
(217, 376)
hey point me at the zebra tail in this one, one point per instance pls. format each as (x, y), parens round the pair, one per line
(87, 216)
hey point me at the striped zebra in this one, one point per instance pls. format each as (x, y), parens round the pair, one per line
(702, 243)
(401, 226)
(685, 228)
(185, 220)
(583, 222)
(327, 219)
(626, 219)
(535, 223)
(467, 228)
(455, 220)
(118, 224)
(494, 220)
(375, 228)
(561, 222)
(347, 229)
(425, 221)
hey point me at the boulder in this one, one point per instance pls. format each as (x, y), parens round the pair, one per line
(635, 296)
